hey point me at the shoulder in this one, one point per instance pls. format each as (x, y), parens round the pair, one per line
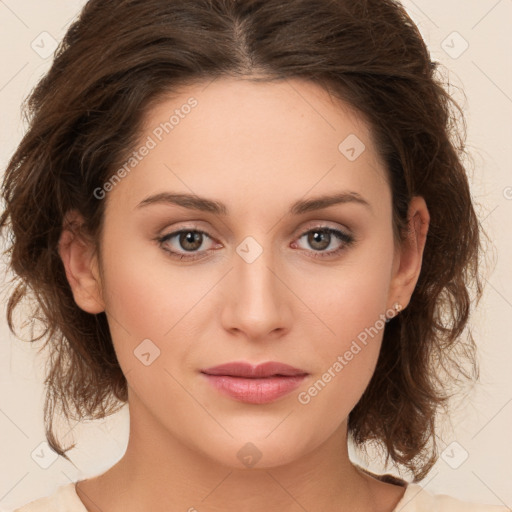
(65, 499)
(417, 499)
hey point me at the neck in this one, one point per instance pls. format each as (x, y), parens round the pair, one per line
(160, 472)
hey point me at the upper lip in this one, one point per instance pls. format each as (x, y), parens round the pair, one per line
(247, 370)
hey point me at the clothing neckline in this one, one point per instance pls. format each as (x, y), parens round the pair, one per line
(386, 478)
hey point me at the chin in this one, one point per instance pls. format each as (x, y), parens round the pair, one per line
(259, 452)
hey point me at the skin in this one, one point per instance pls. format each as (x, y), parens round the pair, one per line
(257, 148)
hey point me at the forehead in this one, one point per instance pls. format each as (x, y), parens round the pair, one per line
(254, 139)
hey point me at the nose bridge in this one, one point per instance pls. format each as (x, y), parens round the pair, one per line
(256, 301)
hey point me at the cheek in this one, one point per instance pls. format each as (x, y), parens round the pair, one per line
(345, 361)
(350, 298)
(148, 298)
(144, 291)
(152, 306)
(350, 305)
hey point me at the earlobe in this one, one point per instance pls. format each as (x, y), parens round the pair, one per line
(80, 263)
(411, 252)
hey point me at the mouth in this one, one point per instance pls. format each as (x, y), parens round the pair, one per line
(260, 384)
(248, 371)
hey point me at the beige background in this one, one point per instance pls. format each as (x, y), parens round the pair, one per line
(481, 430)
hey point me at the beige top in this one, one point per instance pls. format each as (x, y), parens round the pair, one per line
(415, 499)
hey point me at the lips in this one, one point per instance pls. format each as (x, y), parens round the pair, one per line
(248, 371)
(261, 384)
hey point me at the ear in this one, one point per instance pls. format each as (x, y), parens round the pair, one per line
(77, 253)
(409, 257)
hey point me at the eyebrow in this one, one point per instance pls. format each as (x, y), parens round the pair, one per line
(301, 206)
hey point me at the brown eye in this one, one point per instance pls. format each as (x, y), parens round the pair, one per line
(190, 240)
(321, 238)
(179, 243)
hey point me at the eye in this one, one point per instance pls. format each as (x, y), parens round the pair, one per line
(320, 238)
(190, 240)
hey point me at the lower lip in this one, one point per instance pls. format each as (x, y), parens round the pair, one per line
(255, 391)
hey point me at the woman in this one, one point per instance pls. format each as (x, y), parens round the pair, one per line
(244, 219)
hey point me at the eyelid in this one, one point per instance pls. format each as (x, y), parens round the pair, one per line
(296, 233)
(322, 225)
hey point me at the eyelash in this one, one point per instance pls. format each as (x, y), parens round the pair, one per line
(346, 238)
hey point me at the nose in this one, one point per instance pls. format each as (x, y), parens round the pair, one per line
(258, 302)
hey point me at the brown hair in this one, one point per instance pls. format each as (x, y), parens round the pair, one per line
(120, 57)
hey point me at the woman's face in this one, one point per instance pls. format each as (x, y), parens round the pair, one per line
(262, 278)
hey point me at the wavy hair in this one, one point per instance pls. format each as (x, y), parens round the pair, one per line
(120, 57)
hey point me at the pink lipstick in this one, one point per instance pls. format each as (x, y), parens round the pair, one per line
(259, 384)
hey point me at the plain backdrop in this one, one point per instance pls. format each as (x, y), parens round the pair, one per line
(472, 40)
